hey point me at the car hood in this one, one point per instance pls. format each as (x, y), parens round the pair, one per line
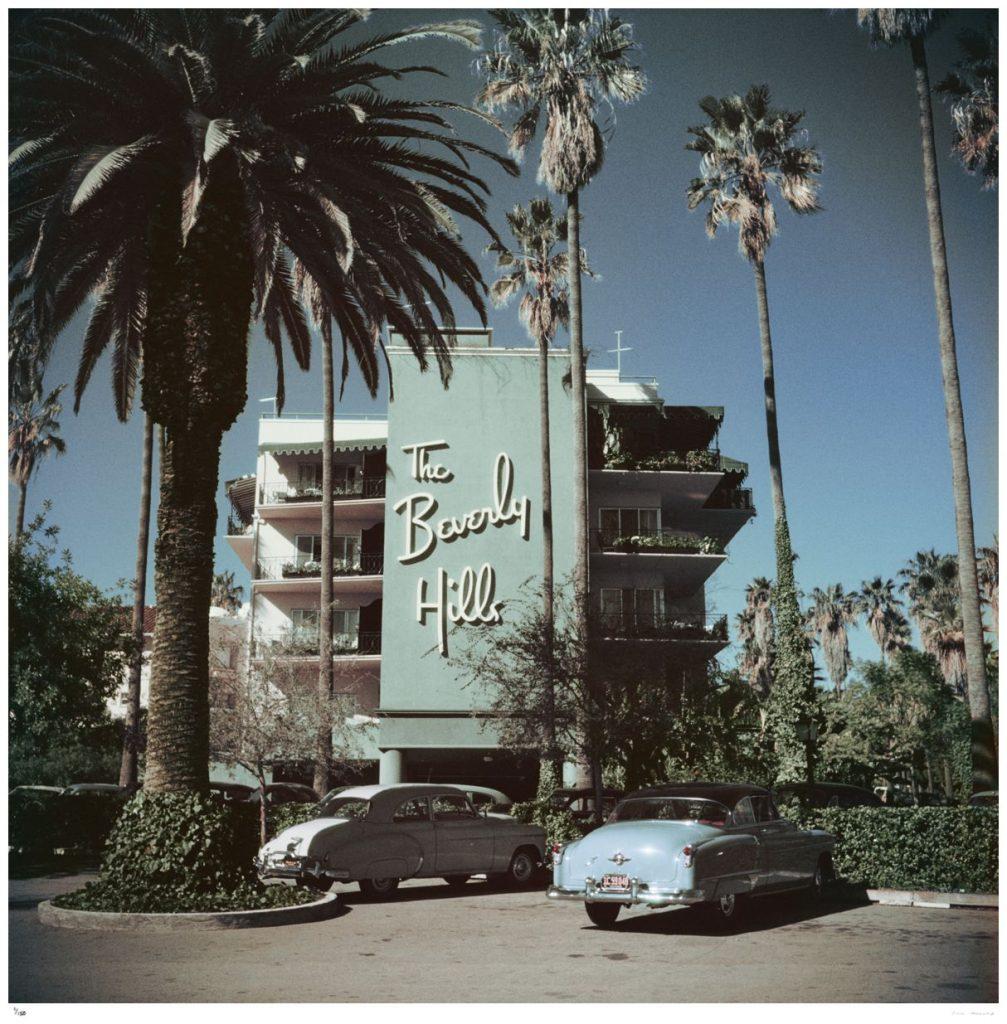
(305, 832)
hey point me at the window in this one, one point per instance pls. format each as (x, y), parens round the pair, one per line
(305, 623)
(629, 522)
(309, 475)
(309, 548)
(346, 479)
(744, 812)
(345, 624)
(345, 550)
(452, 808)
(632, 607)
(350, 808)
(412, 811)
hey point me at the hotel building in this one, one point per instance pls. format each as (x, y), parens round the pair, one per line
(438, 521)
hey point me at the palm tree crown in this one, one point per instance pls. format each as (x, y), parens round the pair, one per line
(889, 26)
(562, 61)
(832, 612)
(136, 133)
(225, 593)
(746, 147)
(882, 609)
(989, 579)
(33, 433)
(972, 88)
(930, 580)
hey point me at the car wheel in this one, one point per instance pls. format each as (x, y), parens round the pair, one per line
(820, 879)
(522, 868)
(725, 910)
(603, 914)
(456, 881)
(378, 888)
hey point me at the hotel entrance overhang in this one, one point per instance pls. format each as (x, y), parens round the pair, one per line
(438, 525)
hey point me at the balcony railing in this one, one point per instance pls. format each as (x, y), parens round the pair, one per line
(303, 643)
(283, 567)
(736, 498)
(663, 626)
(282, 493)
(661, 542)
(700, 460)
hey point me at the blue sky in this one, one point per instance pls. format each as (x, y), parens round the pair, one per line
(863, 437)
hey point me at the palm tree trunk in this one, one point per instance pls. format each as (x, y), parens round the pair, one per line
(131, 737)
(22, 494)
(769, 390)
(323, 739)
(548, 606)
(984, 770)
(178, 713)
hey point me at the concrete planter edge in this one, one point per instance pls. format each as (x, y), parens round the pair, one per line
(93, 920)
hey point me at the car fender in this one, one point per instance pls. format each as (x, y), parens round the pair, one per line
(376, 853)
(727, 864)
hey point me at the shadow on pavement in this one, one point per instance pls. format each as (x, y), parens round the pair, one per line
(436, 890)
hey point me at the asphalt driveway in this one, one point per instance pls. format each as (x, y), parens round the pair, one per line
(433, 945)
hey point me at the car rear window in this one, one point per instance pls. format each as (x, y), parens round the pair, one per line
(352, 808)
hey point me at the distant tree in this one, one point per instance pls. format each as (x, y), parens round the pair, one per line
(891, 27)
(225, 594)
(972, 88)
(32, 435)
(989, 581)
(747, 147)
(882, 609)
(831, 614)
(68, 647)
(755, 631)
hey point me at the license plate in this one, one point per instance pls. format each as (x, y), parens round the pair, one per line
(615, 881)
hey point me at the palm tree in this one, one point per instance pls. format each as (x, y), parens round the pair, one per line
(175, 163)
(563, 61)
(882, 609)
(536, 267)
(746, 147)
(831, 614)
(32, 434)
(757, 629)
(972, 88)
(989, 581)
(929, 580)
(905, 25)
(225, 594)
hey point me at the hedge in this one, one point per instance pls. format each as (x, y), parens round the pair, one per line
(946, 849)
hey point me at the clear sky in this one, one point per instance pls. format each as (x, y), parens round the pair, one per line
(863, 437)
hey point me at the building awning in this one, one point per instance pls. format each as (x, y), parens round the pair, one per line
(241, 492)
(373, 444)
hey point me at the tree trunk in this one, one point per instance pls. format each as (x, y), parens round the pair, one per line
(22, 494)
(178, 712)
(984, 769)
(548, 606)
(323, 739)
(262, 805)
(585, 773)
(131, 737)
(769, 391)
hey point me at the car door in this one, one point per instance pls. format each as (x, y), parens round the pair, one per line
(782, 844)
(411, 834)
(464, 842)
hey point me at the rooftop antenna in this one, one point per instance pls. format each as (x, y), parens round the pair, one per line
(618, 350)
(271, 399)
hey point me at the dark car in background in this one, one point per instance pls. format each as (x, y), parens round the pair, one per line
(580, 803)
(824, 794)
(279, 793)
(230, 792)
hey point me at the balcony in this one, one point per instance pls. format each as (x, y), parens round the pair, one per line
(283, 567)
(283, 493)
(656, 542)
(699, 460)
(303, 643)
(736, 498)
(709, 629)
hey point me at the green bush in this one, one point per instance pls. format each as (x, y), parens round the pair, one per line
(949, 849)
(181, 852)
(282, 817)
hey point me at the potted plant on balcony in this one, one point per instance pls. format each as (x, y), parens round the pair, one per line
(301, 569)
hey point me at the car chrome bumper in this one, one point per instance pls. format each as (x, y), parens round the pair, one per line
(638, 894)
(286, 871)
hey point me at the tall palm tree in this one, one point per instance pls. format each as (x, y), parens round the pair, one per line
(832, 613)
(758, 630)
(225, 594)
(892, 26)
(972, 88)
(882, 609)
(928, 581)
(175, 163)
(537, 267)
(562, 62)
(989, 581)
(32, 435)
(747, 147)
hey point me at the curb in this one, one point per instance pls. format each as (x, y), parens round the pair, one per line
(932, 900)
(93, 920)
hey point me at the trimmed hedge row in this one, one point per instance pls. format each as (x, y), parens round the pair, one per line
(948, 849)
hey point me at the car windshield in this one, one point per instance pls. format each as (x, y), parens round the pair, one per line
(672, 808)
(350, 807)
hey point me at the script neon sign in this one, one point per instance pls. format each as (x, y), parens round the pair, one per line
(470, 598)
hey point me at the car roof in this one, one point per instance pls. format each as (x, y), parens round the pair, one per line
(385, 799)
(727, 793)
(485, 790)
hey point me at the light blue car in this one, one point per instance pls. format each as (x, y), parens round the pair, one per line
(711, 844)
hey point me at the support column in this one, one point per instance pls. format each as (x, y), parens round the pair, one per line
(390, 767)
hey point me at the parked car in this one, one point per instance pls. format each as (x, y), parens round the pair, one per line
(486, 800)
(580, 802)
(987, 798)
(94, 789)
(378, 835)
(42, 792)
(686, 844)
(825, 794)
(230, 792)
(278, 793)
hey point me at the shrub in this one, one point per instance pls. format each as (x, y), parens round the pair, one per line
(950, 849)
(282, 817)
(180, 852)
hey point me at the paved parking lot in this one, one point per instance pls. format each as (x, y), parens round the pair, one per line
(432, 945)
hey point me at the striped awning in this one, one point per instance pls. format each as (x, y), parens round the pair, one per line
(373, 444)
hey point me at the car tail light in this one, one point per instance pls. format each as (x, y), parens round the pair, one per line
(688, 852)
(557, 852)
